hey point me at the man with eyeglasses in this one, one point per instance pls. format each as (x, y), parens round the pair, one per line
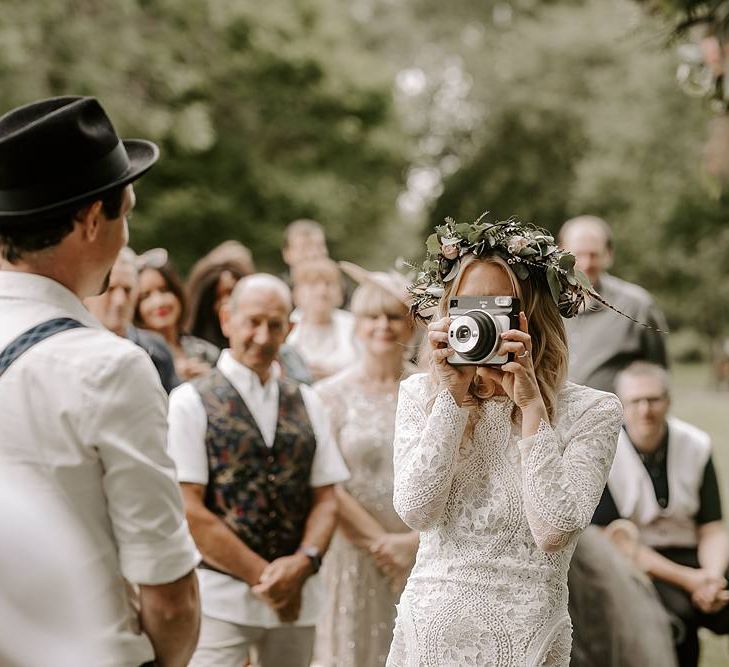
(663, 509)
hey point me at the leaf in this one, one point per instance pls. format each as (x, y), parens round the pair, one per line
(462, 228)
(428, 312)
(432, 244)
(527, 252)
(567, 262)
(450, 241)
(442, 230)
(583, 280)
(553, 282)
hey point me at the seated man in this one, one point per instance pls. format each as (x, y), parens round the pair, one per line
(257, 463)
(664, 483)
(115, 310)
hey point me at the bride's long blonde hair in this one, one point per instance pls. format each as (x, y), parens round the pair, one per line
(549, 339)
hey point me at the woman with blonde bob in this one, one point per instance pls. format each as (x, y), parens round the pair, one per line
(499, 467)
(372, 550)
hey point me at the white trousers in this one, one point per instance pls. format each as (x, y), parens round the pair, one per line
(224, 644)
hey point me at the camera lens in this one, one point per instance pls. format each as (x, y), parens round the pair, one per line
(473, 335)
(463, 333)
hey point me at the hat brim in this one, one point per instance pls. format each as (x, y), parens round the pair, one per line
(365, 277)
(142, 156)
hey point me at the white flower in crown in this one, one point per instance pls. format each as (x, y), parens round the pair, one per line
(450, 251)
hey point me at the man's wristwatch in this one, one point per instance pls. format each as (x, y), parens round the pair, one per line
(312, 553)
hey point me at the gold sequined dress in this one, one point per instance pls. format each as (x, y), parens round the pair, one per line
(355, 628)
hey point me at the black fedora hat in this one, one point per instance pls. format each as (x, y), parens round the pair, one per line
(62, 152)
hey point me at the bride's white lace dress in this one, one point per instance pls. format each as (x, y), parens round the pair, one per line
(500, 516)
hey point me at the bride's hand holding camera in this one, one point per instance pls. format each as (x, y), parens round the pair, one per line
(517, 377)
(457, 379)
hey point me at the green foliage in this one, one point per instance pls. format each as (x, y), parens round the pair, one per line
(525, 167)
(527, 248)
(688, 346)
(683, 13)
(265, 112)
(575, 109)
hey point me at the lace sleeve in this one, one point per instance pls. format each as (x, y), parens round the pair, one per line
(563, 481)
(426, 450)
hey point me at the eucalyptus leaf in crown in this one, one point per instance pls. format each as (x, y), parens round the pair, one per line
(526, 247)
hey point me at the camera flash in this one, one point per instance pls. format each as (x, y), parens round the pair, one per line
(503, 301)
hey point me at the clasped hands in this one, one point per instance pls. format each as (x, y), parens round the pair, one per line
(708, 591)
(280, 585)
(394, 554)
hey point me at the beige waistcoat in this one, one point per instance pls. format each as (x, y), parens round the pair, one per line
(630, 485)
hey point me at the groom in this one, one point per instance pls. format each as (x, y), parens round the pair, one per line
(83, 418)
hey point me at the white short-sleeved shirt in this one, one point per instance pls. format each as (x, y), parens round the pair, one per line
(83, 427)
(331, 347)
(224, 597)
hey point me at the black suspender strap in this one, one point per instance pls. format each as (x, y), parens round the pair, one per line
(34, 336)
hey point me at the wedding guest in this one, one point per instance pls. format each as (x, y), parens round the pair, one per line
(210, 285)
(323, 334)
(304, 240)
(663, 482)
(500, 467)
(372, 550)
(257, 463)
(115, 310)
(601, 342)
(162, 307)
(82, 411)
(617, 617)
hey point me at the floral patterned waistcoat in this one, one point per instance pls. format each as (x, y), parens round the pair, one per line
(261, 493)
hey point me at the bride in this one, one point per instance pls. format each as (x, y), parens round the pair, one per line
(499, 467)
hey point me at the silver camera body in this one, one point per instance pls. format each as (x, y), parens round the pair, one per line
(477, 323)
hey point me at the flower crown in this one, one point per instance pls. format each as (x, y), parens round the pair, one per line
(526, 247)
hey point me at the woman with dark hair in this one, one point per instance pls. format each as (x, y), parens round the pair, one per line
(210, 283)
(162, 307)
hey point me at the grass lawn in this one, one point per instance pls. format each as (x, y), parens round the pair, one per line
(696, 401)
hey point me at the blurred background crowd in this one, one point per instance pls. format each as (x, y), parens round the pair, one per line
(378, 118)
(178, 321)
